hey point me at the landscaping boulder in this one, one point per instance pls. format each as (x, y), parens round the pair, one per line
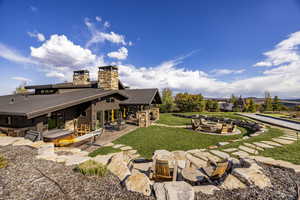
(232, 182)
(175, 190)
(253, 175)
(138, 182)
(118, 167)
(103, 159)
(206, 189)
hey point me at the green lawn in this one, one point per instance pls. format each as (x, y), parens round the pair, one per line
(103, 151)
(288, 153)
(147, 140)
(169, 119)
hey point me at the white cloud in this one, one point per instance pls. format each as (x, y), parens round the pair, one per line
(130, 43)
(39, 36)
(121, 54)
(23, 79)
(98, 19)
(263, 64)
(98, 36)
(106, 24)
(13, 55)
(220, 72)
(55, 74)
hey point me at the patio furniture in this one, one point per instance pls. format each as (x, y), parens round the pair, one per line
(162, 171)
(214, 171)
(56, 135)
(83, 129)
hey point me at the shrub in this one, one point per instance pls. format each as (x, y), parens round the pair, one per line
(3, 162)
(91, 168)
(103, 151)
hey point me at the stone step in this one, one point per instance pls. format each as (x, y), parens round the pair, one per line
(196, 161)
(288, 138)
(240, 154)
(192, 151)
(126, 148)
(206, 155)
(282, 141)
(230, 150)
(4, 141)
(222, 143)
(231, 182)
(272, 143)
(133, 151)
(220, 154)
(109, 144)
(248, 149)
(22, 143)
(263, 145)
(253, 146)
(118, 146)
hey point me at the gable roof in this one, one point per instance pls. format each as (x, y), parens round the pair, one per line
(141, 96)
(35, 105)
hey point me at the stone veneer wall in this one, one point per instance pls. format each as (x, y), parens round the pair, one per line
(155, 113)
(81, 79)
(108, 79)
(143, 118)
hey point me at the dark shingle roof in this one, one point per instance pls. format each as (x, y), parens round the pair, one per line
(141, 96)
(36, 105)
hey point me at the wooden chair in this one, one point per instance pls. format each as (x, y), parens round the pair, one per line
(215, 173)
(162, 172)
(83, 129)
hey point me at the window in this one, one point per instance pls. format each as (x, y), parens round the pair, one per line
(110, 100)
(9, 120)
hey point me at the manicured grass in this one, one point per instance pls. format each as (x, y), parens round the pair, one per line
(272, 132)
(103, 151)
(170, 119)
(288, 153)
(147, 140)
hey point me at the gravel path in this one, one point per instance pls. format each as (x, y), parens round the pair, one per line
(284, 188)
(29, 178)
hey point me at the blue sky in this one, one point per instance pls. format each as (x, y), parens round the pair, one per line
(211, 47)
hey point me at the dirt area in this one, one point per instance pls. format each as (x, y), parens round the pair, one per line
(29, 178)
(284, 188)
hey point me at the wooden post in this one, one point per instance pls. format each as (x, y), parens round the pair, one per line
(112, 116)
(124, 115)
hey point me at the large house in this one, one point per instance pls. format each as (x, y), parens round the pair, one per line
(68, 105)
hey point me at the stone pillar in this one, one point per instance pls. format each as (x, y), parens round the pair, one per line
(108, 78)
(155, 113)
(143, 118)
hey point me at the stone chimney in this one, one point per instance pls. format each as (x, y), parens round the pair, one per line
(108, 78)
(81, 77)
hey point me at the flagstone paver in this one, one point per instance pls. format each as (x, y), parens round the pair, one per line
(220, 154)
(248, 149)
(126, 148)
(118, 146)
(196, 161)
(230, 150)
(109, 144)
(282, 141)
(272, 143)
(241, 154)
(263, 145)
(206, 155)
(253, 146)
(288, 138)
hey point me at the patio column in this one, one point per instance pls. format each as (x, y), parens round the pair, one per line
(112, 116)
(124, 114)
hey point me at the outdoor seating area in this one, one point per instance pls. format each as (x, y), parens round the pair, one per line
(212, 127)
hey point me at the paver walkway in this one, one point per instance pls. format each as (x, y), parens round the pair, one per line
(273, 121)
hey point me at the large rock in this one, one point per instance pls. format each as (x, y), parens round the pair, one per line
(231, 183)
(252, 175)
(75, 160)
(138, 182)
(206, 189)
(142, 167)
(103, 159)
(46, 149)
(197, 162)
(118, 167)
(176, 190)
(23, 142)
(5, 140)
(277, 163)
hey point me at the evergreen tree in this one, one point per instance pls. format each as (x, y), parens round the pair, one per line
(252, 106)
(276, 104)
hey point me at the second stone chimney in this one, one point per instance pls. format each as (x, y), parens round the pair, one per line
(108, 78)
(81, 77)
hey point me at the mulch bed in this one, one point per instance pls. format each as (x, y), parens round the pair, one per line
(28, 178)
(284, 188)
